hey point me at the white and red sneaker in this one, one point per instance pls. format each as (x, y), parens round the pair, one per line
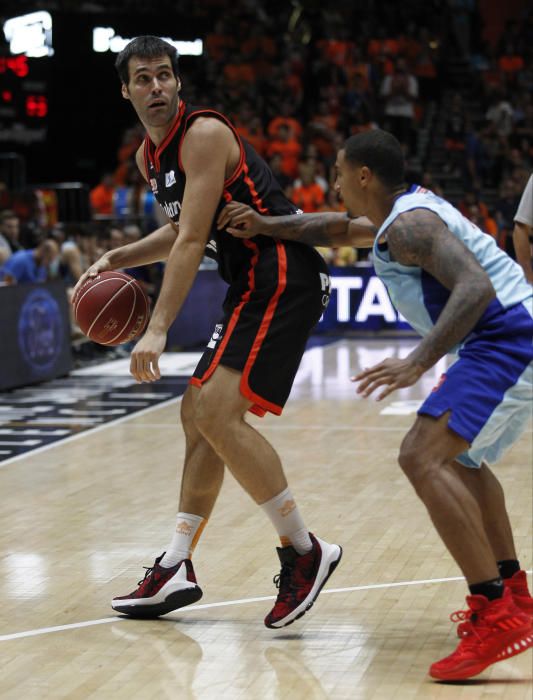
(161, 591)
(301, 579)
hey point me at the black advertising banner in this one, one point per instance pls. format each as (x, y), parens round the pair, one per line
(34, 334)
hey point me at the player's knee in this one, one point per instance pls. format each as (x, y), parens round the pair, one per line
(416, 464)
(210, 415)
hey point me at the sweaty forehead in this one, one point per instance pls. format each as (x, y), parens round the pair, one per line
(138, 64)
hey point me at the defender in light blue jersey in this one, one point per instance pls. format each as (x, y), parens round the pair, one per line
(464, 295)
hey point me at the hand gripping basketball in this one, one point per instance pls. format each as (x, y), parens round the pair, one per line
(111, 308)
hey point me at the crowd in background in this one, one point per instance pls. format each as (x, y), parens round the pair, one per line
(297, 94)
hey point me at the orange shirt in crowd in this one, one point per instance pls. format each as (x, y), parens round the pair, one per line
(293, 124)
(308, 198)
(290, 155)
(102, 199)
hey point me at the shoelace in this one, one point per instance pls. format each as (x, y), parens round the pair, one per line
(283, 580)
(465, 628)
(147, 573)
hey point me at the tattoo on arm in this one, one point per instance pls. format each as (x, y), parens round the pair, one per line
(325, 229)
(420, 238)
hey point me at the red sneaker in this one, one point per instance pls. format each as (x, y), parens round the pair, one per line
(161, 591)
(301, 579)
(517, 584)
(493, 630)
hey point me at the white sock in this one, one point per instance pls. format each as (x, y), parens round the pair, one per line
(188, 530)
(285, 516)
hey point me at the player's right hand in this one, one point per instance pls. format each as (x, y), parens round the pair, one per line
(101, 265)
(240, 220)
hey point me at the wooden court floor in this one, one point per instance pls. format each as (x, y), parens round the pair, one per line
(79, 520)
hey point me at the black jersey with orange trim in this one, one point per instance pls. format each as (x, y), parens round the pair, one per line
(252, 183)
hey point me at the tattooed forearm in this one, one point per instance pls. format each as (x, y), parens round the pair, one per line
(325, 229)
(420, 238)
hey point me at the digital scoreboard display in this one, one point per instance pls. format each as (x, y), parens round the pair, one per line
(24, 68)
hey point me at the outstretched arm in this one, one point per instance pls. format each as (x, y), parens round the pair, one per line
(324, 229)
(420, 238)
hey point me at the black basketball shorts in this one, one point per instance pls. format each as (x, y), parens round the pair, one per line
(268, 316)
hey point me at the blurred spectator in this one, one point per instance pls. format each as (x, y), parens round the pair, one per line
(523, 232)
(506, 205)
(470, 200)
(425, 72)
(9, 231)
(332, 202)
(30, 266)
(115, 238)
(68, 265)
(286, 118)
(288, 148)
(486, 223)
(308, 195)
(102, 196)
(500, 115)
(400, 91)
(456, 127)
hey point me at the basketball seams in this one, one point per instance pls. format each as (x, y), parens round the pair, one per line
(93, 286)
(115, 295)
(115, 306)
(131, 284)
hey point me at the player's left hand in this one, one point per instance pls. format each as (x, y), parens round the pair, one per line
(144, 364)
(393, 373)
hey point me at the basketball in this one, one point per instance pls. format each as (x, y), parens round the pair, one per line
(111, 308)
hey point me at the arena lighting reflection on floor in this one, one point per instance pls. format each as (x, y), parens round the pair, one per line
(33, 418)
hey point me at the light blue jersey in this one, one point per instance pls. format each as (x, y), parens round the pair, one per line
(419, 296)
(488, 391)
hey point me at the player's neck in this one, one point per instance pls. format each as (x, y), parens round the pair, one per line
(380, 206)
(157, 134)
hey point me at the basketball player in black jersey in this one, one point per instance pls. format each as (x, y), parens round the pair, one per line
(195, 163)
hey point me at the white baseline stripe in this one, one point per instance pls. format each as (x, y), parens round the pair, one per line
(242, 601)
(89, 431)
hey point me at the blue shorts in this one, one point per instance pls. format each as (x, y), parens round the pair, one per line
(489, 389)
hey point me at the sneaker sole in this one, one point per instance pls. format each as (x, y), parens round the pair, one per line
(174, 601)
(281, 623)
(514, 647)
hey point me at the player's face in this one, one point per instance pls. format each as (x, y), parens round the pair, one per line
(153, 89)
(347, 184)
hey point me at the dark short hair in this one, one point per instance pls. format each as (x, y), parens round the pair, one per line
(381, 152)
(7, 214)
(145, 47)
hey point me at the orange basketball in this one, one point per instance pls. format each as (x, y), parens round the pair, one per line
(111, 308)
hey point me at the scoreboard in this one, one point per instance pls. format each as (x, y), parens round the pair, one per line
(23, 100)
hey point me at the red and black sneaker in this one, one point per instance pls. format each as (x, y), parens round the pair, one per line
(490, 631)
(517, 584)
(161, 591)
(301, 579)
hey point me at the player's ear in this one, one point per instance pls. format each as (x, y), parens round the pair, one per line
(365, 175)
(178, 80)
(125, 93)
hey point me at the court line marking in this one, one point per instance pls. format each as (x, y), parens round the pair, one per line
(90, 431)
(206, 606)
(293, 426)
